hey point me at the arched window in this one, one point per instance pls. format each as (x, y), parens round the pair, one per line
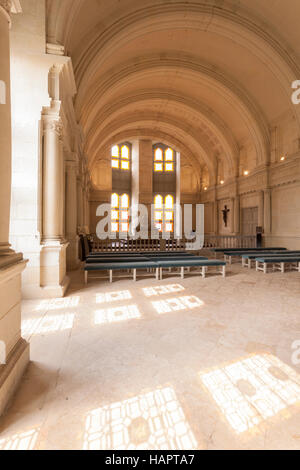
(164, 160)
(120, 157)
(164, 213)
(120, 213)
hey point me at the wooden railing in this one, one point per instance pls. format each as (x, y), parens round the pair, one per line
(211, 241)
(230, 241)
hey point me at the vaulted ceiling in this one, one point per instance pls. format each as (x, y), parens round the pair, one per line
(209, 75)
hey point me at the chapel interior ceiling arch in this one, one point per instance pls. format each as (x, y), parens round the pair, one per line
(225, 70)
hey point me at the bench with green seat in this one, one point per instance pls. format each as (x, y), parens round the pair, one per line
(118, 266)
(204, 264)
(247, 259)
(116, 259)
(138, 253)
(228, 255)
(222, 250)
(217, 251)
(154, 264)
(278, 263)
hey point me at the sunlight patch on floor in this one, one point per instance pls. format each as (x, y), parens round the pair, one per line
(57, 304)
(48, 324)
(154, 420)
(250, 391)
(113, 297)
(161, 290)
(177, 304)
(117, 314)
(21, 441)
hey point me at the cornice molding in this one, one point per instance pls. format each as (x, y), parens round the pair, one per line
(7, 7)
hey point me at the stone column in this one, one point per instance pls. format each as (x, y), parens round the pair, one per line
(216, 216)
(178, 232)
(54, 281)
(14, 351)
(71, 215)
(267, 211)
(135, 186)
(84, 207)
(261, 209)
(52, 181)
(87, 210)
(232, 215)
(146, 176)
(79, 206)
(237, 227)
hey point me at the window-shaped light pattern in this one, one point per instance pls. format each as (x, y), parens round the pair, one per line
(164, 160)
(120, 213)
(164, 213)
(120, 157)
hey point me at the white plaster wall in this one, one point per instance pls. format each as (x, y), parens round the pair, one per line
(286, 216)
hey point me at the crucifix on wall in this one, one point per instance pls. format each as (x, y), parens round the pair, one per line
(225, 212)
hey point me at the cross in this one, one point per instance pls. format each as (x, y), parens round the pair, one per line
(225, 215)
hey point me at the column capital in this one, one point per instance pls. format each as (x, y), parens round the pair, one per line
(267, 191)
(54, 125)
(71, 165)
(10, 6)
(6, 5)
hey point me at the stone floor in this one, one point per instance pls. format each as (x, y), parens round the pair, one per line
(192, 364)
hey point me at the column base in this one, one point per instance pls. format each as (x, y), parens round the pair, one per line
(11, 373)
(9, 259)
(47, 292)
(73, 262)
(54, 281)
(14, 351)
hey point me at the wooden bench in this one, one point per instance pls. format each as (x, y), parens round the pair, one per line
(119, 266)
(278, 263)
(228, 255)
(141, 253)
(204, 264)
(247, 259)
(222, 250)
(155, 265)
(116, 259)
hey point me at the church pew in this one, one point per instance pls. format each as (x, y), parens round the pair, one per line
(142, 253)
(189, 263)
(120, 257)
(228, 255)
(118, 266)
(247, 259)
(116, 259)
(222, 250)
(175, 259)
(138, 258)
(278, 263)
(157, 265)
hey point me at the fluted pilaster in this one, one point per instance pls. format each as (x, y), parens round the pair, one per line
(52, 179)
(71, 214)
